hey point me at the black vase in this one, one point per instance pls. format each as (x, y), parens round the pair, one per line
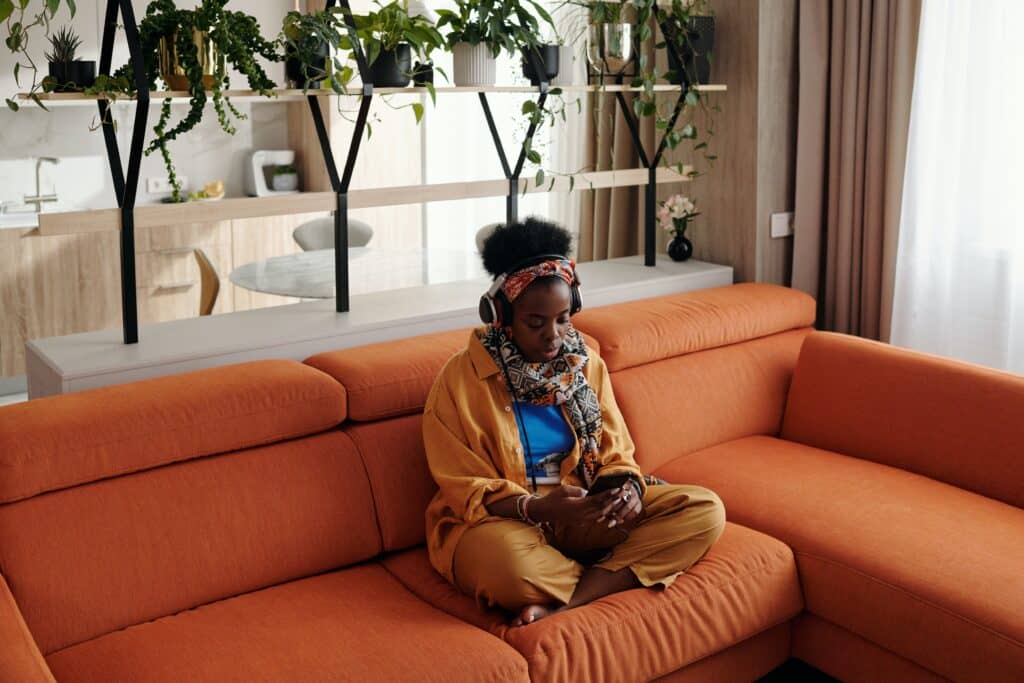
(546, 56)
(392, 68)
(310, 76)
(696, 65)
(77, 74)
(680, 248)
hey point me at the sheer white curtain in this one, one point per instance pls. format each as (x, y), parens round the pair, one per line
(960, 269)
(458, 147)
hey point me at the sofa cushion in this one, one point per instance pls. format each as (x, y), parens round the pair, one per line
(390, 378)
(924, 569)
(85, 561)
(951, 421)
(358, 624)
(747, 583)
(53, 443)
(393, 378)
(396, 464)
(648, 330)
(683, 404)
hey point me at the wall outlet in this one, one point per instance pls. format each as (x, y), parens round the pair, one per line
(782, 225)
(162, 185)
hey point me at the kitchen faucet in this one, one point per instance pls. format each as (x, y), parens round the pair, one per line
(39, 199)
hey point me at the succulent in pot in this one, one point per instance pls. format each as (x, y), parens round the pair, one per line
(66, 72)
(285, 178)
(22, 19)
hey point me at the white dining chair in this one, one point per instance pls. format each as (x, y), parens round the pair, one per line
(319, 233)
(483, 233)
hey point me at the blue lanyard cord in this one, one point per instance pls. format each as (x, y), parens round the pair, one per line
(519, 421)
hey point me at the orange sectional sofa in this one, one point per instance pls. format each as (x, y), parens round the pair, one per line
(264, 521)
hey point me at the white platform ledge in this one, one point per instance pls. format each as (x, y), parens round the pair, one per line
(95, 359)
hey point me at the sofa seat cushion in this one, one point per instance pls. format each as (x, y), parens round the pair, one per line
(746, 584)
(924, 569)
(357, 624)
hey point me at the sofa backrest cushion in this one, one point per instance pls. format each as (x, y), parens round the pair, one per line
(393, 378)
(680, 405)
(52, 443)
(396, 464)
(955, 422)
(390, 378)
(85, 561)
(649, 330)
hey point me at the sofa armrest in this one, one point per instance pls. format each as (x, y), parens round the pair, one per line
(20, 658)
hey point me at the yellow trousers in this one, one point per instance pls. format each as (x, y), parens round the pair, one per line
(511, 564)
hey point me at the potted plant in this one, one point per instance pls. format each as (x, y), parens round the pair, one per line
(196, 44)
(391, 37)
(689, 36)
(23, 19)
(67, 72)
(675, 215)
(480, 29)
(285, 178)
(610, 33)
(306, 41)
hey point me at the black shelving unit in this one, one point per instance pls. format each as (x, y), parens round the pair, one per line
(126, 184)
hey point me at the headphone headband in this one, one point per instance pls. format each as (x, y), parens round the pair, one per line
(493, 308)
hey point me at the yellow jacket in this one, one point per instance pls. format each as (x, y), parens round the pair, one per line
(473, 447)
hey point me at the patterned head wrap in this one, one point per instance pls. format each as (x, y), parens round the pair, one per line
(517, 282)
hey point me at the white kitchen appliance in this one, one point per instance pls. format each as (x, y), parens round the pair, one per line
(256, 172)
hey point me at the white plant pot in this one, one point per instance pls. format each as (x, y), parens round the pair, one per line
(567, 69)
(285, 182)
(475, 66)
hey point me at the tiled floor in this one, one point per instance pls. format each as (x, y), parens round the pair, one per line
(12, 398)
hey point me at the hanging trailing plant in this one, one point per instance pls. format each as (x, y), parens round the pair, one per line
(23, 20)
(226, 37)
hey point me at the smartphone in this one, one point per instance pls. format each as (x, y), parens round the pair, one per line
(606, 483)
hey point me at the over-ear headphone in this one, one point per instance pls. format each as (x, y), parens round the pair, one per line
(496, 309)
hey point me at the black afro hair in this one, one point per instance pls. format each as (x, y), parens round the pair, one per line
(515, 242)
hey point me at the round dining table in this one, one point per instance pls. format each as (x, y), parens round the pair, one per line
(310, 274)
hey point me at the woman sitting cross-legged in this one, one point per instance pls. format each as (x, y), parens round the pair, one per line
(519, 427)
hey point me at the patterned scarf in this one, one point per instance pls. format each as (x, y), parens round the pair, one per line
(559, 381)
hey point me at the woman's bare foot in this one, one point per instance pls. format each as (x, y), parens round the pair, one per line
(533, 613)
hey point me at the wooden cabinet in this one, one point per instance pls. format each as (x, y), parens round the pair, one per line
(65, 284)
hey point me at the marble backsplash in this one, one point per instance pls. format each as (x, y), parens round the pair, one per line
(82, 177)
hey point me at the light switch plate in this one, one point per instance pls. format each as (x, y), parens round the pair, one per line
(782, 224)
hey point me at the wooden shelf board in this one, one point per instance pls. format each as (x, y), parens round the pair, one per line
(159, 215)
(297, 95)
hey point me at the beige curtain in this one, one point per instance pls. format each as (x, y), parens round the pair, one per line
(856, 79)
(611, 221)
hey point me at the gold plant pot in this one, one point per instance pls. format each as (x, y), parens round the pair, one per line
(173, 72)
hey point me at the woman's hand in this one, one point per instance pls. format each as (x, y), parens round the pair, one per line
(569, 504)
(624, 506)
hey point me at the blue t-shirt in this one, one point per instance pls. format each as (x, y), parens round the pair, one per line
(550, 441)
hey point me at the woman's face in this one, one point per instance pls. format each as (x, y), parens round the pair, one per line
(540, 319)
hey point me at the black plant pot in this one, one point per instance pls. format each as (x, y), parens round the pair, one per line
(392, 68)
(313, 74)
(546, 56)
(696, 66)
(423, 74)
(680, 248)
(77, 74)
